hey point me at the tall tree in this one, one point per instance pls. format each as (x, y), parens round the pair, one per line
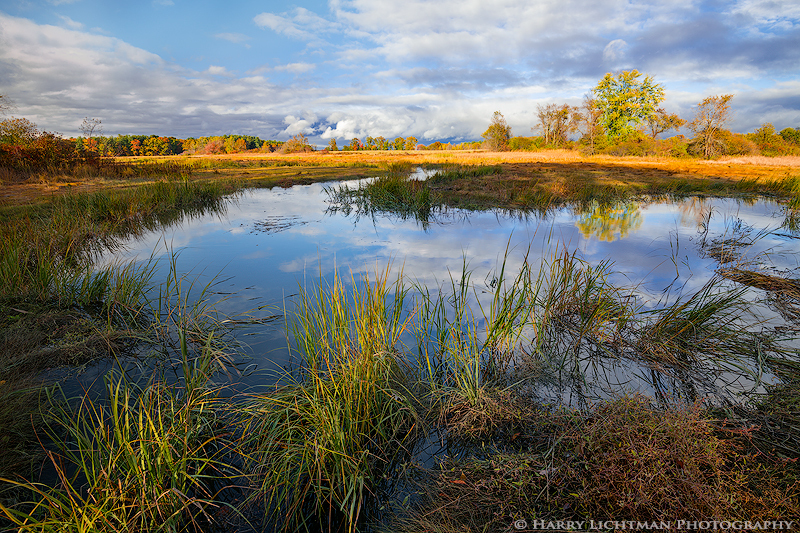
(498, 133)
(410, 143)
(626, 100)
(332, 145)
(556, 122)
(709, 118)
(89, 127)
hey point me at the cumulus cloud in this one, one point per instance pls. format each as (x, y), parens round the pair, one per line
(434, 70)
(216, 70)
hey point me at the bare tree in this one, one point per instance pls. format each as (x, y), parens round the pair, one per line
(90, 126)
(556, 122)
(5, 104)
(712, 113)
(590, 120)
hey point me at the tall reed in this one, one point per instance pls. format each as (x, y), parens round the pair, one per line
(144, 461)
(321, 442)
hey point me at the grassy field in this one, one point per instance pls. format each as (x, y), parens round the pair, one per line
(553, 170)
(325, 446)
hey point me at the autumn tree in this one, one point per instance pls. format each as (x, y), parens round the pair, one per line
(791, 135)
(556, 122)
(498, 133)
(398, 143)
(709, 118)
(298, 143)
(410, 143)
(332, 145)
(19, 131)
(661, 121)
(355, 144)
(625, 101)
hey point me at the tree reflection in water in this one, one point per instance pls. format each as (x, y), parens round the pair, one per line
(609, 221)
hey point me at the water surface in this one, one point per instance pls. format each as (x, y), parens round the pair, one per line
(270, 242)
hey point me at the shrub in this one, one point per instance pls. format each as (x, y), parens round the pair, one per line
(526, 143)
(637, 144)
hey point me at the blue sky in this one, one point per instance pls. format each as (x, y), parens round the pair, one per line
(436, 70)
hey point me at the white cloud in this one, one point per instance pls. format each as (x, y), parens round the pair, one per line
(216, 70)
(236, 38)
(769, 12)
(71, 24)
(299, 24)
(296, 68)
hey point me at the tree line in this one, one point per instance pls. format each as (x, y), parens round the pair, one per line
(152, 145)
(621, 116)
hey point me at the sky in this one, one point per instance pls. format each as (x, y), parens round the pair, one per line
(435, 70)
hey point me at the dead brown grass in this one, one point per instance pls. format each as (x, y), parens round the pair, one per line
(622, 460)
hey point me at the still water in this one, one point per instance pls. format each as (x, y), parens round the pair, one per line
(270, 242)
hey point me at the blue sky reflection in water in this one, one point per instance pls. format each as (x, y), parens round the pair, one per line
(270, 242)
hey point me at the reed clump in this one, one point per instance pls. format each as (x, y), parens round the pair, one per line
(321, 444)
(157, 456)
(392, 193)
(148, 458)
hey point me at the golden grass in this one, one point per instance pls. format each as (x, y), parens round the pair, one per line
(546, 167)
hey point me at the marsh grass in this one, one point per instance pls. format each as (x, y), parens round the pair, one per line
(44, 257)
(323, 448)
(540, 186)
(392, 193)
(322, 442)
(58, 308)
(149, 458)
(157, 456)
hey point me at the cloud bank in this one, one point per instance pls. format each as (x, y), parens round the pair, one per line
(434, 70)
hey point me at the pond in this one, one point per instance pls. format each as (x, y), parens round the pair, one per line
(270, 243)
